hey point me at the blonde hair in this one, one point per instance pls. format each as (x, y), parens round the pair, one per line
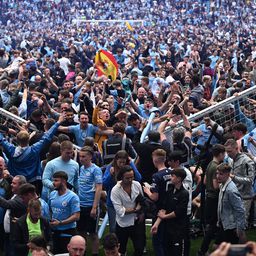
(160, 153)
(23, 138)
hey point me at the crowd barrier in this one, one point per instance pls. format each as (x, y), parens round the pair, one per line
(11, 120)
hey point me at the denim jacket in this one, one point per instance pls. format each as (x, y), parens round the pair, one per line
(232, 212)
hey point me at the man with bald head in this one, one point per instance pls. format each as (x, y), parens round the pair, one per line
(141, 95)
(76, 247)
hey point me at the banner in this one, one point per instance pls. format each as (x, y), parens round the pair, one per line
(128, 25)
(106, 64)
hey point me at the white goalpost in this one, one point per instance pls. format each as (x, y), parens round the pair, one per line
(80, 20)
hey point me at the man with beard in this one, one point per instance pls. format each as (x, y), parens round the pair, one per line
(129, 223)
(82, 130)
(65, 208)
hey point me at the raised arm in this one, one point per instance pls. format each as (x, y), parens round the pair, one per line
(54, 86)
(134, 105)
(166, 104)
(23, 106)
(64, 129)
(48, 108)
(164, 124)
(80, 85)
(8, 204)
(48, 135)
(186, 124)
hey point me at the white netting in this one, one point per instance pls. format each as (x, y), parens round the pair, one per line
(228, 112)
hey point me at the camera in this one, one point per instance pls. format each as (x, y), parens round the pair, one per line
(238, 250)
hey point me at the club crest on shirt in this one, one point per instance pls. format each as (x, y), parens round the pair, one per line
(64, 203)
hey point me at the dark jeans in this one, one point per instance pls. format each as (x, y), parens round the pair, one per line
(2, 234)
(111, 219)
(61, 239)
(158, 241)
(136, 233)
(8, 246)
(211, 205)
(86, 223)
(187, 241)
(228, 236)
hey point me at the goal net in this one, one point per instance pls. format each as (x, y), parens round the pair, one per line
(236, 109)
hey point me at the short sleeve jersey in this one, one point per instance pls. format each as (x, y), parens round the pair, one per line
(81, 134)
(88, 178)
(63, 206)
(160, 182)
(45, 209)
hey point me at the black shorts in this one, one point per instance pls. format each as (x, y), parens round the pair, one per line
(86, 223)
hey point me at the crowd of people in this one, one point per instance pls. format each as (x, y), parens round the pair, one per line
(85, 155)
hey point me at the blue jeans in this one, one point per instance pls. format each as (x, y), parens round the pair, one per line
(158, 241)
(111, 219)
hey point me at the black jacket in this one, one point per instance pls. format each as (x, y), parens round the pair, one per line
(17, 209)
(176, 200)
(144, 151)
(21, 235)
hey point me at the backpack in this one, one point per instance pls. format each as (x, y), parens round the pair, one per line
(185, 151)
(111, 146)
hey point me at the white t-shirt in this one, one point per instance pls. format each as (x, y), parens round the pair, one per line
(64, 62)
